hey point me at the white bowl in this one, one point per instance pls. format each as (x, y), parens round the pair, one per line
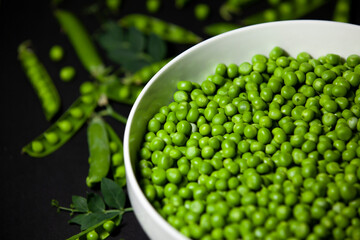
(315, 37)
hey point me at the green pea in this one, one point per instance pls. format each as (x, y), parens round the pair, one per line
(67, 73)
(201, 11)
(56, 53)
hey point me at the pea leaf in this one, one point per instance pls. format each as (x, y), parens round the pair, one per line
(111, 36)
(113, 194)
(135, 64)
(122, 55)
(156, 48)
(79, 219)
(95, 203)
(136, 40)
(80, 203)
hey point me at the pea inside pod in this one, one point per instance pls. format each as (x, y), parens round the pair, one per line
(117, 156)
(64, 128)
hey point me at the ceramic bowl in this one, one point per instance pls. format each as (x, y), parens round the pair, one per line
(315, 37)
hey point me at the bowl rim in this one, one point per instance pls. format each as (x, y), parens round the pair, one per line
(130, 171)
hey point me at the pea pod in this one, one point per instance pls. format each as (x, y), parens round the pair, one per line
(99, 159)
(82, 43)
(284, 11)
(119, 92)
(218, 28)
(180, 4)
(98, 228)
(167, 31)
(233, 7)
(64, 128)
(117, 156)
(146, 73)
(40, 80)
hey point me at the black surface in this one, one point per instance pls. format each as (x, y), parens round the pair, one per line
(29, 184)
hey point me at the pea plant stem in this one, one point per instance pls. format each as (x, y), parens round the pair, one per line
(109, 111)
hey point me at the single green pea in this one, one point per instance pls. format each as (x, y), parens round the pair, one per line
(56, 53)
(67, 73)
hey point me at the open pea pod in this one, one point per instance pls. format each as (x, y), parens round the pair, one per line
(64, 128)
(98, 228)
(117, 156)
(99, 159)
(40, 80)
(167, 31)
(120, 92)
(146, 73)
(220, 27)
(284, 11)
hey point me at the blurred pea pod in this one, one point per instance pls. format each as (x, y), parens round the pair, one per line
(218, 28)
(230, 7)
(342, 11)
(64, 128)
(181, 3)
(120, 92)
(117, 156)
(284, 11)
(99, 159)
(82, 43)
(167, 31)
(146, 73)
(40, 80)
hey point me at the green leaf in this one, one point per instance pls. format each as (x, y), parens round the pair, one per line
(108, 42)
(156, 48)
(111, 36)
(136, 40)
(88, 220)
(95, 203)
(122, 55)
(113, 194)
(135, 64)
(80, 203)
(79, 219)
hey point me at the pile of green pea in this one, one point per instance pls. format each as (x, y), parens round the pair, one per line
(268, 149)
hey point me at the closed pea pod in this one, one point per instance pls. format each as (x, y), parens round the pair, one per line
(99, 149)
(81, 42)
(64, 128)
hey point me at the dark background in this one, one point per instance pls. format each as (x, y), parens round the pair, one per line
(29, 184)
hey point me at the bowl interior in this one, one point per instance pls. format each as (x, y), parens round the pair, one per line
(315, 37)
